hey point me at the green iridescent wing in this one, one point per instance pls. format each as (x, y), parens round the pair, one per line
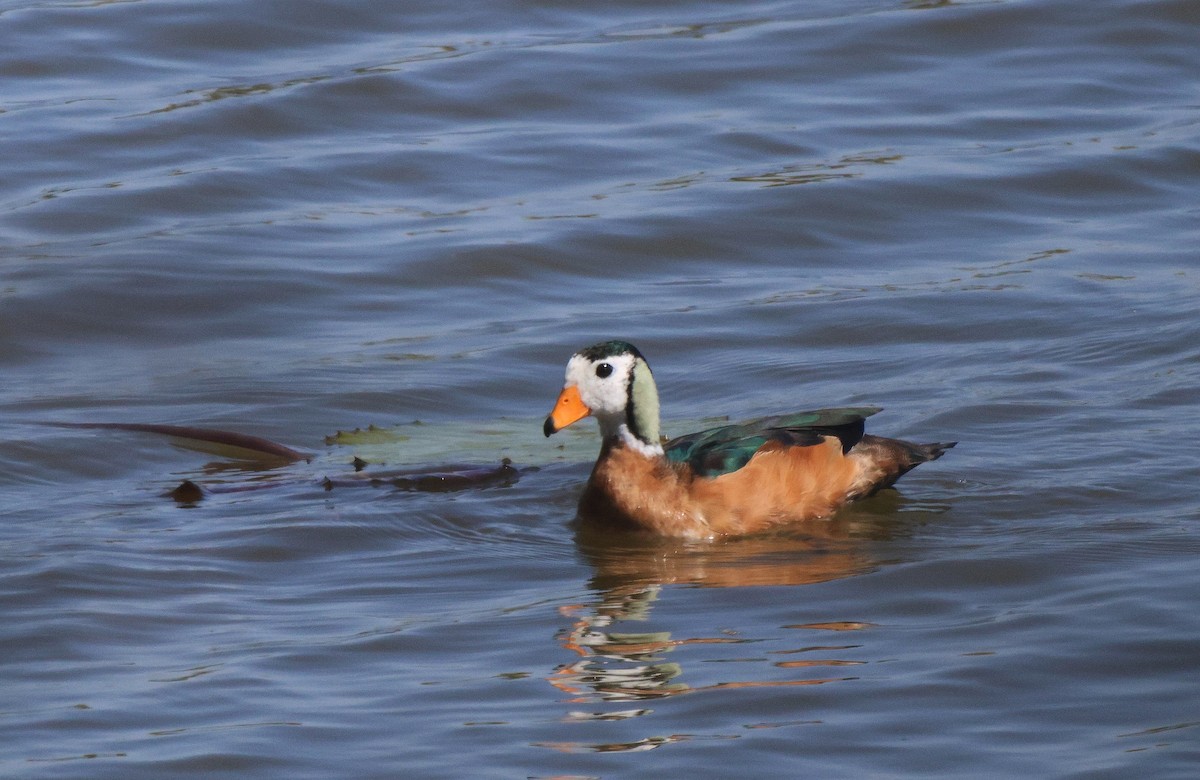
(721, 450)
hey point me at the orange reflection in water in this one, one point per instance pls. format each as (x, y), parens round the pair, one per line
(611, 665)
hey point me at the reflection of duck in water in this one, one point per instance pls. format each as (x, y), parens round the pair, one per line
(622, 664)
(617, 665)
(625, 561)
(622, 658)
(736, 479)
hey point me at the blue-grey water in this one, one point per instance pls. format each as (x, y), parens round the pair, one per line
(295, 218)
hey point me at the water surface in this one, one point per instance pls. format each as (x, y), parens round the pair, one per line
(296, 218)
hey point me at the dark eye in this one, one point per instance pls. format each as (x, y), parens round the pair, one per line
(604, 370)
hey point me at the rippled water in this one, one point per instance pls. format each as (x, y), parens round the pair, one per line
(294, 218)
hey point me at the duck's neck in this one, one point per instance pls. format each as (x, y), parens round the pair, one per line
(651, 449)
(637, 428)
(641, 408)
(616, 431)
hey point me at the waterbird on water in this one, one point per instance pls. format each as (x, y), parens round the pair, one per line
(732, 480)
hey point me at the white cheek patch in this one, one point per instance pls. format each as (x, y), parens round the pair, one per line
(605, 396)
(577, 371)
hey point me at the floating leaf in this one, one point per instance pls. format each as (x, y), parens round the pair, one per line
(369, 435)
(464, 441)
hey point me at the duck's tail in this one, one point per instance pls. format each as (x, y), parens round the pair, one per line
(930, 452)
(883, 461)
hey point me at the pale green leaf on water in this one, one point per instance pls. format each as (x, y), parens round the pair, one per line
(477, 442)
(371, 435)
(466, 441)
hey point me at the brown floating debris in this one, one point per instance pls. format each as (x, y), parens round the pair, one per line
(187, 492)
(230, 444)
(241, 446)
(433, 479)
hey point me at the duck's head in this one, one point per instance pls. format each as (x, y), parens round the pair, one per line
(612, 382)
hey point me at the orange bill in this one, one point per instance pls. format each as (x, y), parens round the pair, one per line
(568, 409)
